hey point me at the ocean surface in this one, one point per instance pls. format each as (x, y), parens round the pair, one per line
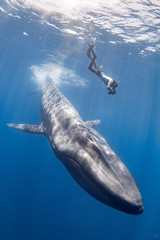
(39, 200)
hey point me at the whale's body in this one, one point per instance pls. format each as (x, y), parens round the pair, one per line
(85, 153)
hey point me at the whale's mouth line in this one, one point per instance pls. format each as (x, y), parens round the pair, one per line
(97, 185)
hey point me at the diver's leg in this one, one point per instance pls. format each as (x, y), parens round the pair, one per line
(90, 49)
(94, 55)
(89, 53)
(95, 65)
(90, 67)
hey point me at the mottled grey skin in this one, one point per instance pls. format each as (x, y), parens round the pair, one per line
(85, 153)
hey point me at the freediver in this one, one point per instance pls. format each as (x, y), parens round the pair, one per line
(110, 83)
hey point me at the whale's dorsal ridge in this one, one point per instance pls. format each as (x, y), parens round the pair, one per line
(29, 128)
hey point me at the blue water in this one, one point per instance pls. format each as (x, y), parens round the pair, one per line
(38, 198)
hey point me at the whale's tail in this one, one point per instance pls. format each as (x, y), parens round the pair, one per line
(29, 128)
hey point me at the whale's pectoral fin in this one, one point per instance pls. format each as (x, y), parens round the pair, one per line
(29, 128)
(92, 123)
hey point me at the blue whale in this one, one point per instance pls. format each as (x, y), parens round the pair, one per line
(85, 153)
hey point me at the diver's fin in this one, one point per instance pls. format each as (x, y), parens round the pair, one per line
(29, 128)
(87, 41)
(92, 123)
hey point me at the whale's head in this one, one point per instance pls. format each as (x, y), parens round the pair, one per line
(94, 165)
